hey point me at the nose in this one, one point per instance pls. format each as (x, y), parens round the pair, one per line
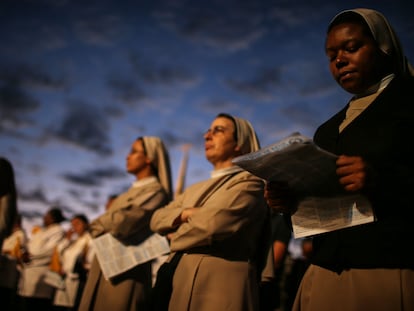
(340, 61)
(207, 135)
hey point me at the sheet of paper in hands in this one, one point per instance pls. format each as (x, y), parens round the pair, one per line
(296, 160)
(311, 172)
(115, 257)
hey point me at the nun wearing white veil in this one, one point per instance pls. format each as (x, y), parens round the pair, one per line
(216, 225)
(128, 219)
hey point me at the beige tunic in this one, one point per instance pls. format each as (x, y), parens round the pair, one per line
(220, 241)
(127, 219)
(355, 290)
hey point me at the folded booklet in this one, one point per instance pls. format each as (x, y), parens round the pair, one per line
(311, 172)
(298, 161)
(115, 257)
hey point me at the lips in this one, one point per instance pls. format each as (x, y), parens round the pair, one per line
(344, 75)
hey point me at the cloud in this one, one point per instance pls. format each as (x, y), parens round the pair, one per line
(260, 87)
(98, 29)
(127, 90)
(31, 77)
(94, 177)
(15, 105)
(35, 195)
(155, 73)
(31, 214)
(224, 25)
(17, 99)
(85, 126)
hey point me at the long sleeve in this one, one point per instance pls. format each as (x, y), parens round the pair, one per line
(228, 212)
(43, 243)
(130, 214)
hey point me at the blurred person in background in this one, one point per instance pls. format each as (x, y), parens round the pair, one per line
(10, 264)
(74, 255)
(34, 293)
(8, 198)
(271, 291)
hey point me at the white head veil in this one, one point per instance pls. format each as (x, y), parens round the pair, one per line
(246, 136)
(384, 35)
(160, 159)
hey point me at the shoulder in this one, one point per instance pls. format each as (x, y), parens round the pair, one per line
(400, 87)
(246, 176)
(246, 179)
(150, 188)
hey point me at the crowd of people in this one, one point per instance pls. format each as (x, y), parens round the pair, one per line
(229, 235)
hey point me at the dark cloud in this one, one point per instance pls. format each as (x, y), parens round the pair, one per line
(30, 77)
(85, 125)
(214, 105)
(260, 87)
(171, 139)
(99, 29)
(17, 101)
(168, 76)
(94, 177)
(226, 25)
(127, 90)
(153, 72)
(15, 106)
(31, 214)
(35, 195)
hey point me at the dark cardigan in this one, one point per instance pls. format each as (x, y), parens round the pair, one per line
(382, 135)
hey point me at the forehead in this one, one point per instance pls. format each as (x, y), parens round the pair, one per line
(346, 32)
(222, 121)
(355, 25)
(138, 145)
(76, 221)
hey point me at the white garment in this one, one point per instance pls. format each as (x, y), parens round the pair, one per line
(70, 251)
(40, 247)
(10, 242)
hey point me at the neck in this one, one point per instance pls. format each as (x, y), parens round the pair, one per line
(144, 173)
(221, 165)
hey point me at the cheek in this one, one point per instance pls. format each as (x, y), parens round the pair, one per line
(367, 61)
(332, 69)
(231, 147)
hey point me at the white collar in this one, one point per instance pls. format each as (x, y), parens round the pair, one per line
(378, 87)
(143, 182)
(225, 171)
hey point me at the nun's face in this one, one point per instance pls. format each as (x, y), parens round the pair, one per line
(355, 61)
(137, 160)
(220, 146)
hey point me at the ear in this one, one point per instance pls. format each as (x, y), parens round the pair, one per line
(237, 148)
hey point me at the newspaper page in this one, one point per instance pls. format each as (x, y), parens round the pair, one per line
(115, 257)
(317, 215)
(311, 172)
